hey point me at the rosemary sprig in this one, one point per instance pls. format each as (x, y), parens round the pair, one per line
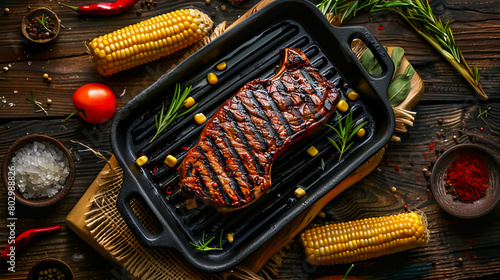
(173, 112)
(43, 21)
(421, 18)
(203, 246)
(346, 8)
(37, 103)
(483, 114)
(345, 132)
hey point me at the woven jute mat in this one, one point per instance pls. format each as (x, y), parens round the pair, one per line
(96, 219)
(111, 232)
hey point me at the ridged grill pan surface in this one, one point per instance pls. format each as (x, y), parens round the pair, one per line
(251, 50)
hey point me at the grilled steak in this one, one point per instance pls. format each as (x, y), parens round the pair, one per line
(230, 165)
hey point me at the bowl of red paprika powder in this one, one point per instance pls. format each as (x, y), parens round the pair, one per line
(465, 181)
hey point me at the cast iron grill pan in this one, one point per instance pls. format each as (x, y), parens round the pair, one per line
(251, 50)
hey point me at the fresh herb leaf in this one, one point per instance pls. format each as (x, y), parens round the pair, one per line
(346, 8)
(333, 141)
(397, 57)
(483, 114)
(409, 71)
(418, 14)
(398, 89)
(370, 63)
(164, 119)
(400, 85)
(43, 21)
(37, 103)
(475, 70)
(322, 165)
(203, 246)
(345, 132)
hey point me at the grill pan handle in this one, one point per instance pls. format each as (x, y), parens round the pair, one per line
(379, 84)
(131, 190)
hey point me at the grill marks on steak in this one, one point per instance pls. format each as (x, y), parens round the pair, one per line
(230, 165)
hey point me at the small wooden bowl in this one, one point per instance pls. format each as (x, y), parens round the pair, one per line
(456, 207)
(51, 263)
(53, 17)
(37, 202)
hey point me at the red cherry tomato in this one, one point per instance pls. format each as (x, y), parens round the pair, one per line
(96, 103)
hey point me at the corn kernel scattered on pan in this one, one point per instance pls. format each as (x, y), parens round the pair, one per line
(364, 239)
(148, 40)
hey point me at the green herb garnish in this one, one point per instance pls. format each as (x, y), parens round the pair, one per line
(173, 112)
(400, 85)
(345, 133)
(37, 103)
(483, 113)
(43, 21)
(322, 165)
(419, 15)
(203, 246)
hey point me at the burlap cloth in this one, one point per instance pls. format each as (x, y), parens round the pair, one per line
(110, 231)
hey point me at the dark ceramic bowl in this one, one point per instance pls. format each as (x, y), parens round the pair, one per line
(37, 202)
(456, 207)
(46, 264)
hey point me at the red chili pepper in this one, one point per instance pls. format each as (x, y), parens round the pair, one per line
(103, 9)
(24, 238)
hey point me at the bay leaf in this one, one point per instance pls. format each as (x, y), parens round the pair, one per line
(409, 71)
(397, 57)
(370, 63)
(367, 59)
(398, 89)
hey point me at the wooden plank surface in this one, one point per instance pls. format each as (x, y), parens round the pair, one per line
(447, 96)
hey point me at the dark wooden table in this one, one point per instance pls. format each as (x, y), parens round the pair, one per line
(447, 97)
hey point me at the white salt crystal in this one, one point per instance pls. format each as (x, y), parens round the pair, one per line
(51, 192)
(41, 170)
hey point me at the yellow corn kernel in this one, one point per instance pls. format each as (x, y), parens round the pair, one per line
(188, 102)
(361, 132)
(312, 151)
(364, 239)
(342, 106)
(200, 118)
(149, 40)
(230, 238)
(221, 66)
(212, 78)
(141, 160)
(299, 192)
(170, 160)
(191, 203)
(352, 95)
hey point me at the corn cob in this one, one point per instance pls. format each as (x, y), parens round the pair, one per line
(364, 239)
(148, 40)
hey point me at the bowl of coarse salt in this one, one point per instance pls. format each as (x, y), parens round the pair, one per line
(38, 170)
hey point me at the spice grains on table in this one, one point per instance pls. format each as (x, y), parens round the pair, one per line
(447, 97)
